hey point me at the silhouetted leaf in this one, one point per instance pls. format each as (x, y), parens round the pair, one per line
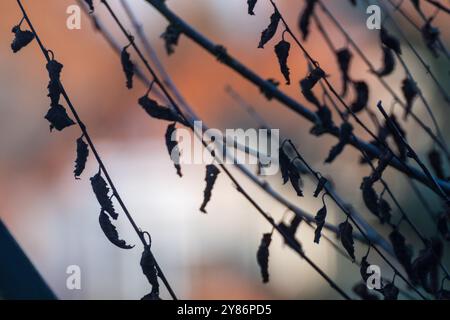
(402, 252)
(388, 63)
(383, 163)
(320, 222)
(431, 36)
(262, 256)
(270, 31)
(296, 180)
(426, 262)
(346, 235)
(82, 155)
(127, 66)
(211, 176)
(251, 6)
(90, 4)
(171, 37)
(21, 38)
(390, 292)
(54, 69)
(362, 292)
(149, 269)
(284, 164)
(390, 41)
(157, 111)
(320, 185)
(308, 83)
(282, 52)
(384, 210)
(362, 96)
(305, 18)
(110, 231)
(345, 134)
(172, 147)
(363, 269)
(434, 157)
(344, 57)
(101, 191)
(325, 121)
(370, 196)
(410, 92)
(58, 118)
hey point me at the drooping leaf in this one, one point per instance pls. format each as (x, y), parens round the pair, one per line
(171, 37)
(390, 292)
(150, 271)
(127, 66)
(346, 236)
(110, 231)
(362, 292)
(383, 163)
(21, 38)
(285, 163)
(384, 210)
(270, 31)
(54, 69)
(308, 83)
(345, 134)
(362, 96)
(262, 256)
(434, 157)
(90, 4)
(157, 111)
(390, 41)
(282, 52)
(251, 6)
(101, 190)
(296, 180)
(427, 262)
(82, 155)
(388, 63)
(320, 222)
(58, 118)
(172, 147)
(325, 121)
(305, 18)
(401, 250)
(431, 35)
(344, 57)
(211, 176)
(320, 185)
(370, 196)
(410, 92)
(363, 269)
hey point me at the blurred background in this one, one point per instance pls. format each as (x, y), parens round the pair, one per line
(55, 218)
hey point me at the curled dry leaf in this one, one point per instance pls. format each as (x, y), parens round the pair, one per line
(390, 41)
(362, 96)
(262, 256)
(157, 111)
(270, 31)
(172, 147)
(150, 271)
(82, 156)
(110, 231)
(58, 117)
(346, 236)
(345, 134)
(370, 196)
(211, 176)
(171, 37)
(308, 83)
(363, 269)
(21, 38)
(401, 250)
(320, 222)
(282, 52)
(431, 35)
(127, 66)
(101, 190)
(344, 57)
(305, 18)
(426, 264)
(320, 186)
(285, 163)
(410, 92)
(388, 63)
(54, 69)
(324, 121)
(295, 178)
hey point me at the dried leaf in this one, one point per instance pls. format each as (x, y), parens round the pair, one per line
(362, 96)
(308, 83)
(320, 185)
(171, 37)
(296, 180)
(110, 231)
(54, 69)
(90, 4)
(388, 63)
(149, 269)
(431, 36)
(390, 292)
(172, 147)
(390, 41)
(325, 121)
(270, 31)
(262, 256)
(285, 163)
(101, 190)
(384, 210)
(410, 92)
(305, 18)
(346, 235)
(82, 155)
(320, 222)
(58, 117)
(370, 196)
(363, 269)
(127, 66)
(401, 250)
(426, 262)
(345, 134)
(435, 159)
(157, 111)
(344, 57)
(362, 292)
(251, 6)
(21, 38)
(211, 175)
(282, 52)
(383, 163)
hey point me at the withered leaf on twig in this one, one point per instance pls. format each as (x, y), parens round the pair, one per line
(157, 111)
(320, 222)
(82, 155)
(172, 147)
(344, 57)
(401, 250)
(150, 271)
(110, 231)
(364, 293)
(171, 37)
(282, 52)
(211, 176)
(58, 117)
(127, 66)
(390, 41)
(21, 38)
(390, 292)
(345, 134)
(410, 92)
(431, 36)
(90, 4)
(346, 235)
(362, 96)
(101, 190)
(305, 18)
(388, 63)
(262, 256)
(270, 31)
